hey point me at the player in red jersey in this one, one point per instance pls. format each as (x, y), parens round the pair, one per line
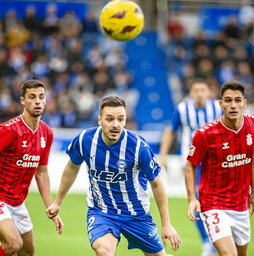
(225, 149)
(24, 151)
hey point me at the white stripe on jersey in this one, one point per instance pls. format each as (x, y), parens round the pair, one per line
(210, 112)
(218, 110)
(192, 114)
(80, 142)
(190, 123)
(93, 148)
(141, 193)
(182, 111)
(92, 166)
(122, 183)
(108, 184)
(201, 118)
(185, 140)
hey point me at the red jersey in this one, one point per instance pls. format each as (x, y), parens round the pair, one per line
(22, 150)
(226, 156)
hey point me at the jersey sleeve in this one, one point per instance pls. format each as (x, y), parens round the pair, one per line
(175, 121)
(197, 149)
(6, 138)
(45, 155)
(148, 163)
(75, 152)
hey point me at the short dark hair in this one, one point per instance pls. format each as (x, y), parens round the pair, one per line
(197, 80)
(232, 85)
(32, 83)
(111, 101)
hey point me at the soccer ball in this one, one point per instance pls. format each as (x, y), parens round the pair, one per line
(121, 20)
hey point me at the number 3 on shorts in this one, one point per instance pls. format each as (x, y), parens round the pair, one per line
(216, 218)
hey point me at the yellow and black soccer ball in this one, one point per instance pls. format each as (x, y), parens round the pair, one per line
(121, 20)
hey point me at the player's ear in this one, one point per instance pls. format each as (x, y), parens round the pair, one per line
(245, 103)
(22, 101)
(220, 102)
(99, 120)
(125, 121)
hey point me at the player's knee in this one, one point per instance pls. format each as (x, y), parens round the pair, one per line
(227, 253)
(103, 251)
(13, 245)
(28, 251)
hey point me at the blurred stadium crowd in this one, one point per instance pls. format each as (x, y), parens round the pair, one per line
(74, 60)
(229, 55)
(79, 65)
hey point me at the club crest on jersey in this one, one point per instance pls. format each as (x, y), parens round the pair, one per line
(1, 208)
(24, 144)
(225, 145)
(192, 150)
(121, 164)
(43, 142)
(249, 139)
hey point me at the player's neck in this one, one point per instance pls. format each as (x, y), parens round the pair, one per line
(233, 124)
(200, 104)
(31, 121)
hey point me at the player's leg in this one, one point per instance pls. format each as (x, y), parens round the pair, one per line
(226, 246)
(207, 247)
(161, 253)
(24, 226)
(10, 238)
(218, 224)
(28, 244)
(103, 232)
(142, 233)
(241, 231)
(242, 250)
(105, 245)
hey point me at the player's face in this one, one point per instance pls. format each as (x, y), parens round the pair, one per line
(112, 120)
(34, 101)
(233, 104)
(200, 93)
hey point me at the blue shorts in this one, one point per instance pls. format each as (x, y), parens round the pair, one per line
(140, 231)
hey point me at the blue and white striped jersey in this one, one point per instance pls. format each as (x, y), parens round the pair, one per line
(118, 174)
(190, 118)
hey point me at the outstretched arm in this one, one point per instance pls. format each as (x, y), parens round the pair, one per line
(190, 178)
(165, 145)
(168, 231)
(68, 177)
(43, 184)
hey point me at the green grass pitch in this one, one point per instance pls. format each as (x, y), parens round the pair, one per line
(74, 240)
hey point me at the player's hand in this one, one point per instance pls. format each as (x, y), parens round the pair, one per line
(194, 206)
(171, 234)
(52, 210)
(251, 203)
(163, 162)
(59, 224)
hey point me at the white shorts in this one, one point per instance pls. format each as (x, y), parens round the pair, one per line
(19, 216)
(223, 223)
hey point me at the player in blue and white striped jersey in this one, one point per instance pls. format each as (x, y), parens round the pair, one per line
(120, 164)
(189, 116)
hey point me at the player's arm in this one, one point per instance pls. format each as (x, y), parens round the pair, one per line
(43, 184)
(168, 137)
(68, 177)
(197, 154)
(190, 178)
(168, 231)
(165, 145)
